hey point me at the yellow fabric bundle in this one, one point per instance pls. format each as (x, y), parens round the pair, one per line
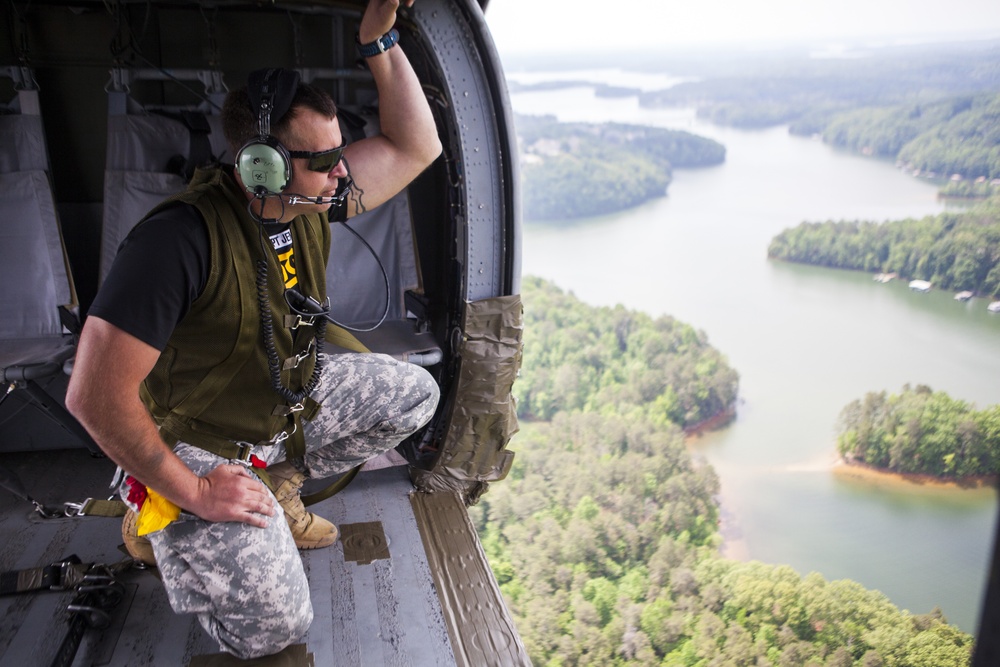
(156, 513)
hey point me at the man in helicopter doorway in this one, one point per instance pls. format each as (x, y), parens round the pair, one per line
(183, 375)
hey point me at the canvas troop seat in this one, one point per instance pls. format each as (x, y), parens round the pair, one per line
(38, 299)
(153, 149)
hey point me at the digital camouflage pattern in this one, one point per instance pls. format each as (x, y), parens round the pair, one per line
(246, 584)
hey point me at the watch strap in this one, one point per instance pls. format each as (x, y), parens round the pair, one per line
(380, 45)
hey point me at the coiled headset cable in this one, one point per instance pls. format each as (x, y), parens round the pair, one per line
(302, 305)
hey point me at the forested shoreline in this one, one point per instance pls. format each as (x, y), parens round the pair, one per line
(604, 537)
(956, 251)
(955, 137)
(575, 170)
(921, 432)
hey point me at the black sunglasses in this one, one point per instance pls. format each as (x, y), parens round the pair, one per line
(322, 161)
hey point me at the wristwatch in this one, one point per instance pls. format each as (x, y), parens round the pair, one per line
(380, 45)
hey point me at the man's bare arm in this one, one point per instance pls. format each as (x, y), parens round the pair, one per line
(383, 165)
(104, 395)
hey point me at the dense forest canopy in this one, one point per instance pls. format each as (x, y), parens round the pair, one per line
(617, 360)
(921, 431)
(604, 535)
(574, 170)
(957, 251)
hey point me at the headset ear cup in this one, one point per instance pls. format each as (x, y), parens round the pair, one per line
(264, 166)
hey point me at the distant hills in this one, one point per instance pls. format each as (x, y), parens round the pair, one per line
(933, 108)
(808, 92)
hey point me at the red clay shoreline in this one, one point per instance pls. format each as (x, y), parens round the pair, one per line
(859, 469)
(712, 423)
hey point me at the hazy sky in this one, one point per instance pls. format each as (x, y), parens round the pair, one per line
(588, 25)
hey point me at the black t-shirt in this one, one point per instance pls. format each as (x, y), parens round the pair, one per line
(161, 268)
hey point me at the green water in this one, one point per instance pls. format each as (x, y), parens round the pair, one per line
(806, 341)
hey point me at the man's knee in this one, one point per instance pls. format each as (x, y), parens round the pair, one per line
(260, 632)
(426, 394)
(247, 585)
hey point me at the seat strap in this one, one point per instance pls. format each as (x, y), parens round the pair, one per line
(199, 144)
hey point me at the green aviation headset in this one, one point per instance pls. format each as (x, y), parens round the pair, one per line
(263, 163)
(265, 167)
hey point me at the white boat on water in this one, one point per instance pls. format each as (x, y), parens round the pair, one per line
(963, 296)
(920, 286)
(994, 307)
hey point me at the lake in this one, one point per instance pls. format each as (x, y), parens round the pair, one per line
(806, 341)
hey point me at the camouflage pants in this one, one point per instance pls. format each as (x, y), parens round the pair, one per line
(247, 584)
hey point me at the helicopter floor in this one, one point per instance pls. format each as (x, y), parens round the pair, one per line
(384, 612)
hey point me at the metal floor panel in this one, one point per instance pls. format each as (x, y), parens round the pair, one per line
(386, 612)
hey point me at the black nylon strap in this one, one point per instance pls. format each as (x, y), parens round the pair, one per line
(57, 576)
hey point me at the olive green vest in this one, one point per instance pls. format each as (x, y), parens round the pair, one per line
(212, 384)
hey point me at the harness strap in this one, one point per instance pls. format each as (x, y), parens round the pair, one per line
(57, 577)
(334, 488)
(96, 507)
(234, 451)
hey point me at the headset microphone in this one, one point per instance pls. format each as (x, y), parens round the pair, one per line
(302, 199)
(342, 189)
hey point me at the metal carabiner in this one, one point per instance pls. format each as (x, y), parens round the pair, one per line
(301, 321)
(74, 509)
(284, 435)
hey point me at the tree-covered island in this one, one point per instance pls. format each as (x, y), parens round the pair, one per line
(955, 251)
(576, 170)
(581, 358)
(921, 432)
(604, 537)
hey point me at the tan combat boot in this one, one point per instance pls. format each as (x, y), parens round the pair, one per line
(310, 531)
(138, 547)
